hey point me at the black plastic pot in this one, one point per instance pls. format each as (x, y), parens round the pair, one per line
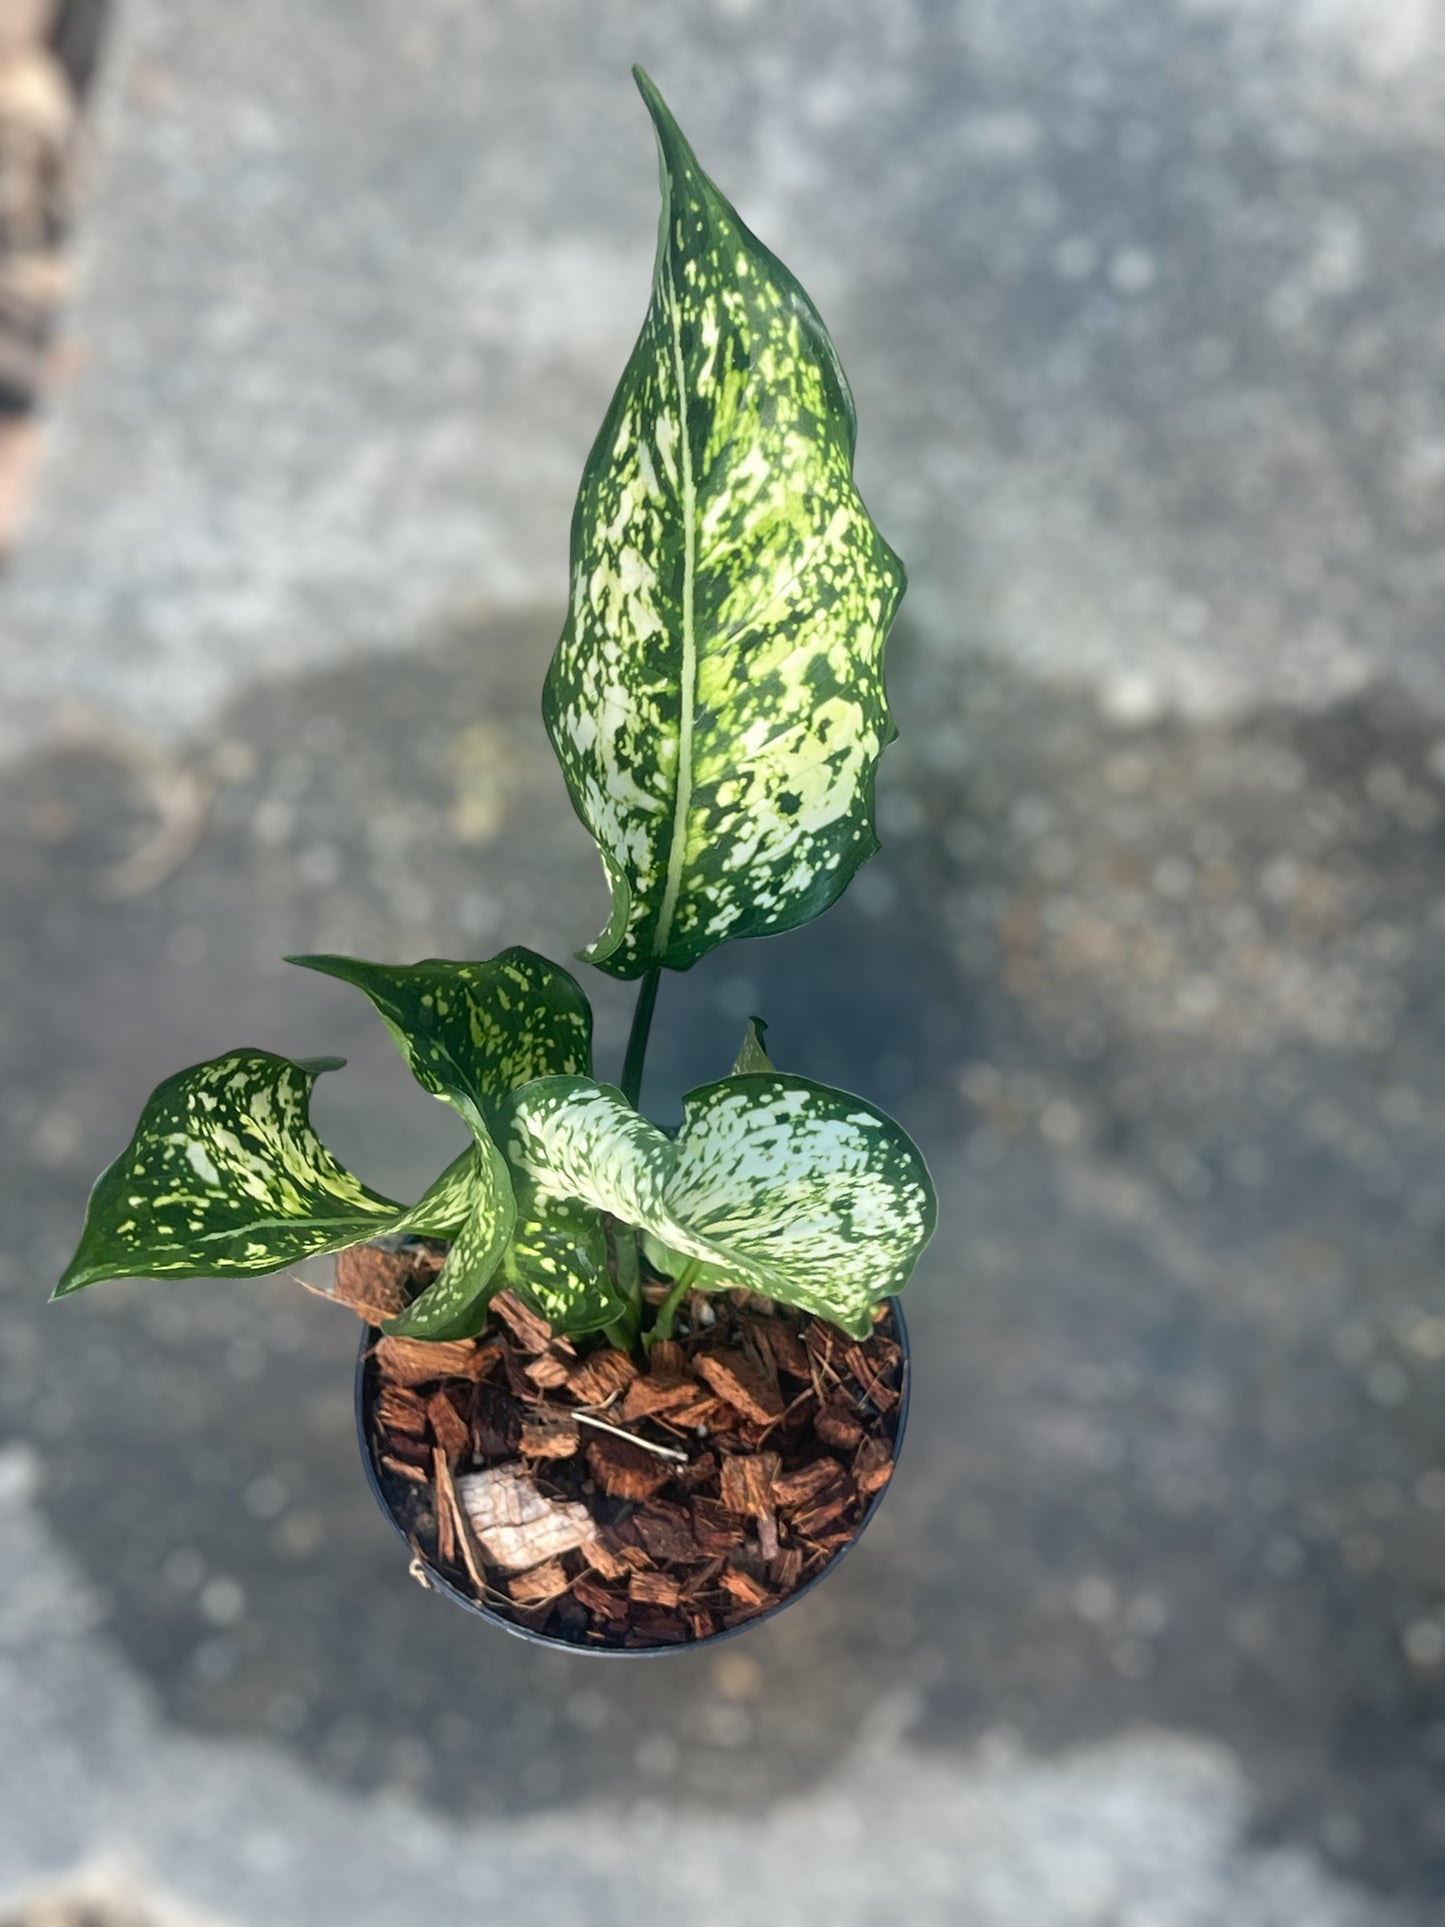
(438, 1582)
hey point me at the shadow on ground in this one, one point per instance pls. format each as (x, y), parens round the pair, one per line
(1163, 1006)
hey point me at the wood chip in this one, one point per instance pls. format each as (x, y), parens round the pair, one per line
(698, 1471)
(596, 1597)
(542, 1582)
(516, 1525)
(747, 1482)
(668, 1359)
(449, 1428)
(785, 1569)
(821, 1338)
(654, 1395)
(666, 1530)
(421, 1361)
(496, 1422)
(548, 1438)
(548, 1372)
(398, 1410)
(446, 1523)
(597, 1378)
(742, 1585)
(531, 1331)
(403, 1470)
(808, 1483)
(653, 1588)
(738, 1381)
(789, 1352)
(377, 1284)
(868, 1373)
(701, 1625)
(702, 1412)
(873, 1465)
(827, 1509)
(838, 1424)
(714, 1527)
(625, 1471)
(656, 1626)
(603, 1558)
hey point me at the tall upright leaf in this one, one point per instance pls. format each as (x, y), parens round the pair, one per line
(716, 700)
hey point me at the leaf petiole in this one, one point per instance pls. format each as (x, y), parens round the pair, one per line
(638, 1035)
(667, 1310)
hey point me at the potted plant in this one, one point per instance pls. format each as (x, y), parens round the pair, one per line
(621, 1388)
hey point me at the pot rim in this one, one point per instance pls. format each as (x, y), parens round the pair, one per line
(438, 1582)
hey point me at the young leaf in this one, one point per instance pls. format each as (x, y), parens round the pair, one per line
(472, 1032)
(775, 1183)
(224, 1177)
(751, 1055)
(716, 700)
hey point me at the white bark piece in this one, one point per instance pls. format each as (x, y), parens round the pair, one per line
(517, 1526)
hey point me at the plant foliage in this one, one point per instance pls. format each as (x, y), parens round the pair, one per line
(717, 706)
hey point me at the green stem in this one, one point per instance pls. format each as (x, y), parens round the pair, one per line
(637, 1037)
(625, 1330)
(667, 1310)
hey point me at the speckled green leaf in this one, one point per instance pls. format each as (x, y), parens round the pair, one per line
(224, 1177)
(557, 1262)
(751, 1055)
(784, 1186)
(716, 700)
(472, 1032)
(447, 1204)
(454, 1304)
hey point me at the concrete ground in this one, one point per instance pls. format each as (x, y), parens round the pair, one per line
(1141, 305)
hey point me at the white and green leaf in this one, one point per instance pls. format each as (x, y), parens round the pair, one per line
(774, 1183)
(472, 1032)
(716, 700)
(225, 1177)
(557, 1263)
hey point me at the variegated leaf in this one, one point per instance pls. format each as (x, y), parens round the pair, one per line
(716, 700)
(784, 1186)
(225, 1177)
(446, 1205)
(472, 1032)
(557, 1263)
(454, 1304)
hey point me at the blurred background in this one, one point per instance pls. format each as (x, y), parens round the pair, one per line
(1142, 304)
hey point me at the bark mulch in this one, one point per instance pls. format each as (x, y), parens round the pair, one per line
(754, 1445)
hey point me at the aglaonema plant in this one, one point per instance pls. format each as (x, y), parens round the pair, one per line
(716, 702)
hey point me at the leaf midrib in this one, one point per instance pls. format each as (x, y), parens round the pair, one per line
(682, 800)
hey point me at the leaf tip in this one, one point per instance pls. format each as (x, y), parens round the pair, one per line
(674, 143)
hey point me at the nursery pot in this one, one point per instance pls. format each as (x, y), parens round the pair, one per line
(367, 1379)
